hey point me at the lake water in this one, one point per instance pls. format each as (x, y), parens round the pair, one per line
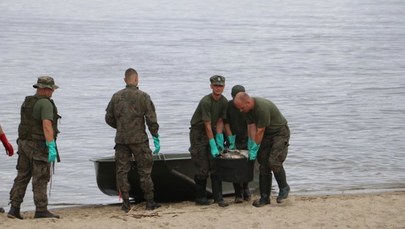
(336, 69)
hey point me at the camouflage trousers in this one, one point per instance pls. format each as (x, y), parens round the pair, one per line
(273, 150)
(142, 155)
(31, 163)
(201, 153)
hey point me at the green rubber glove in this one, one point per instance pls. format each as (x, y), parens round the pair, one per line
(253, 151)
(250, 143)
(214, 148)
(51, 150)
(156, 142)
(231, 140)
(219, 138)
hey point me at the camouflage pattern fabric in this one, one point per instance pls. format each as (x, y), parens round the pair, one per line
(32, 162)
(200, 152)
(144, 162)
(127, 112)
(273, 150)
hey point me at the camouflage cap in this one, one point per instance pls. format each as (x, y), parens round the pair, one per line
(46, 82)
(217, 80)
(236, 89)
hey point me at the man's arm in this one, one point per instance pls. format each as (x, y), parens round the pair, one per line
(220, 126)
(48, 130)
(208, 130)
(228, 130)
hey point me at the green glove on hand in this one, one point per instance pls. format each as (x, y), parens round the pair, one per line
(253, 151)
(231, 140)
(156, 142)
(214, 149)
(250, 143)
(51, 150)
(219, 138)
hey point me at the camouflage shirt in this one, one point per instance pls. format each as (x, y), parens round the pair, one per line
(127, 112)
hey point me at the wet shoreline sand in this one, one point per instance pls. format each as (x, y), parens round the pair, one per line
(372, 210)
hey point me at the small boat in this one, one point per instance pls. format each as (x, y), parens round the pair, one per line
(172, 175)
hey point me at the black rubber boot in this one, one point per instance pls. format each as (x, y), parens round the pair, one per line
(200, 192)
(45, 214)
(217, 191)
(283, 194)
(152, 205)
(126, 205)
(238, 192)
(246, 192)
(282, 184)
(14, 213)
(265, 187)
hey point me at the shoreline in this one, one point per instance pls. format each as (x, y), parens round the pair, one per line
(364, 210)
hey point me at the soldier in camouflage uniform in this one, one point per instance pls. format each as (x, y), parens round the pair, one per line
(37, 134)
(269, 140)
(207, 120)
(127, 112)
(9, 150)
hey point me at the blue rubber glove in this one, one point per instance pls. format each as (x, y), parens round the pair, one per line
(51, 150)
(214, 148)
(231, 140)
(156, 142)
(253, 151)
(219, 138)
(250, 143)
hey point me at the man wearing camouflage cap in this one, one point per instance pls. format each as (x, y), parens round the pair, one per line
(207, 120)
(37, 134)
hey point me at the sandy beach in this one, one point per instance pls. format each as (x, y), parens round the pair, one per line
(377, 210)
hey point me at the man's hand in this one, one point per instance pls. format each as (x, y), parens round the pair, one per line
(156, 143)
(7, 145)
(51, 151)
(214, 148)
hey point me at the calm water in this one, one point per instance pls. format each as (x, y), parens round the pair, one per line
(335, 68)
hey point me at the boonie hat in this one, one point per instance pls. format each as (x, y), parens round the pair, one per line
(217, 80)
(46, 82)
(236, 89)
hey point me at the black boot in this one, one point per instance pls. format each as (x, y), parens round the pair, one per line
(238, 192)
(1, 210)
(14, 213)
(152, 205)
(217, 191)
(265, 187)
(126, 205)
(200, 192)
(45, 214)
(246, 192)
(284, 188)
(283, 194)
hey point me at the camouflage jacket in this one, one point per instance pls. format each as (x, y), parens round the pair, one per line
(127, 112)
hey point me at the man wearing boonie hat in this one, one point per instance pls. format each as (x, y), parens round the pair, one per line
(237, 136)
(37, 134)
(207, 140)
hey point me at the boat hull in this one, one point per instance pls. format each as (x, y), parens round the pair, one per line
(172, 175)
